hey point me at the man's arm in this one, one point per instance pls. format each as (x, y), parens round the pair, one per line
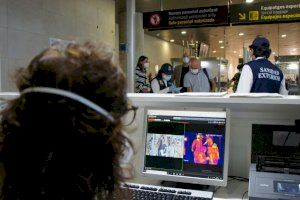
(283, 89)
(213, 85)
(211, 80)
(246, 80)
(186, 83)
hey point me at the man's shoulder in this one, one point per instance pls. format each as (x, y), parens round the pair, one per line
(188, 74)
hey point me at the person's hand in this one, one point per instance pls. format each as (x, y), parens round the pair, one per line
(172, 87)
(176, 90)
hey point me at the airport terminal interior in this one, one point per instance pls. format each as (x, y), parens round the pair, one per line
(216, 144)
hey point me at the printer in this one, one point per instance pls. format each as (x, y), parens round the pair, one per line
(275, 169)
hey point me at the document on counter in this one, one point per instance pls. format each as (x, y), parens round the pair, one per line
(202, 94)
(256, 95)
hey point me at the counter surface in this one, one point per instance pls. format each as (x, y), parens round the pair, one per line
(287, 103)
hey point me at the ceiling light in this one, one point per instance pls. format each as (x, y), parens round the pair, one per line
(220, 41)
(172, 40)
(183, 32)
(241, 34)
(249, 1)
(240, 55)
(222, 47)
(214, 51)
(234, 51)
(283, 35)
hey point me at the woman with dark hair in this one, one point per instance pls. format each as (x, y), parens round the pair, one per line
(162, 82)
(140, 75)
(62, 137)
(260, 75)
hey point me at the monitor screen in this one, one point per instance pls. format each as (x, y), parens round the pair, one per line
(186, 146)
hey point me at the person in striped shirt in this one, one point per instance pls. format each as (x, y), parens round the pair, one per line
(141, 85)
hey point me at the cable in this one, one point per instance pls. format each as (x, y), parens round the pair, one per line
(286, 138)
(244, 194)
(238, 178)
(216, 189)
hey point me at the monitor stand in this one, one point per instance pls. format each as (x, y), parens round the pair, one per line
(188, 186)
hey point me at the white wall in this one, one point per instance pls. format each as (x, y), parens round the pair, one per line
(26, 25)
(159, 51)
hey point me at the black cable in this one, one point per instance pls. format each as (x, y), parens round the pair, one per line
(286, 138)
(238, 178)
(217, 188)
(244, 194)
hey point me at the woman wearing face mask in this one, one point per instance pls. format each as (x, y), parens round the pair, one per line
(140, 75)
(162, 82)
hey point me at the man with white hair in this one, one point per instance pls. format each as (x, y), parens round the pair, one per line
(199, 79)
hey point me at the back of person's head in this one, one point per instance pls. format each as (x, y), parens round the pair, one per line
(58, 148)
(240, 66)
(261, 47)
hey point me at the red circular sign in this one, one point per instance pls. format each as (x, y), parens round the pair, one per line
(155, 19)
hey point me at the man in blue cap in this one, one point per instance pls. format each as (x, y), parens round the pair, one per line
(260, 75)
(162, 82)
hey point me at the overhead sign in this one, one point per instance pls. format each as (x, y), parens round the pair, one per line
(265, 12)
(186, 18)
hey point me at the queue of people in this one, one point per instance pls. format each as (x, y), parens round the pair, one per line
(256, 76)
(190, 77)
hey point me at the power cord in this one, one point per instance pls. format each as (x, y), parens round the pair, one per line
(244, 194)
(239, 178)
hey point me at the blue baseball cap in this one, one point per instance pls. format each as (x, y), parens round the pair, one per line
(260, 41)
(167, 69)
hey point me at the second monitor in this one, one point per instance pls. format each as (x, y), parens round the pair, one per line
(186, 146)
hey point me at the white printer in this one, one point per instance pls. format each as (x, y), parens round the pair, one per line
(275, 169)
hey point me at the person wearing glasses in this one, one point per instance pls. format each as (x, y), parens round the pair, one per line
(260, 75)
(62, 137)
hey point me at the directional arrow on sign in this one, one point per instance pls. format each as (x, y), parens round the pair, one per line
(242, 16)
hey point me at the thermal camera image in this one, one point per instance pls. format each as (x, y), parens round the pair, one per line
(203, 148)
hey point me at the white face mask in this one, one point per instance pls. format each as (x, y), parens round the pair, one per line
(167, 77)
(194, 71)
(146, 65)
(186, 60)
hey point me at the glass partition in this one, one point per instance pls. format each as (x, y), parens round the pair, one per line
(219, 48)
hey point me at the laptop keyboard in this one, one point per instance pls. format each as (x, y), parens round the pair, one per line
(149, 192)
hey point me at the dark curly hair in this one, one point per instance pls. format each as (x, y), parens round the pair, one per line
(57, 148)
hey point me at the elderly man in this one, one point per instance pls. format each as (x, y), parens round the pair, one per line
(199, 79)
